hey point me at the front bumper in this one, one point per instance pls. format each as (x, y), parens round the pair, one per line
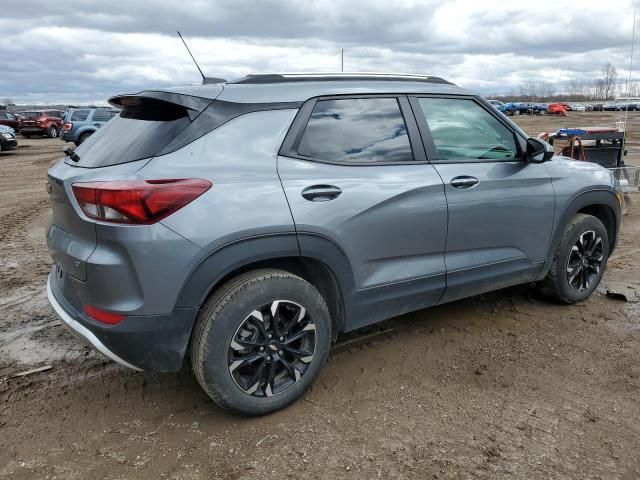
(152, 342)
(7, 143)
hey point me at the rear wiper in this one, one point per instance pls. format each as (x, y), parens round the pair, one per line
(69, 152)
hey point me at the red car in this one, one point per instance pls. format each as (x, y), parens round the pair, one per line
(557, 109)
(8, 119)
(41, 122)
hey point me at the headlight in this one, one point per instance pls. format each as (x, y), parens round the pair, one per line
(8, 136)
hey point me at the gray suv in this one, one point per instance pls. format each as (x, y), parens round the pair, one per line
(80, 123)
(247, 223)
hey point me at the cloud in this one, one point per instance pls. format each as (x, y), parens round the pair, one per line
(84, 50)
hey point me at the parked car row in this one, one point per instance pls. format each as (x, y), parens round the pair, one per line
(75, 125)
(561, 108)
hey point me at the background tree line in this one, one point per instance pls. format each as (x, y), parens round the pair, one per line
(603, 88)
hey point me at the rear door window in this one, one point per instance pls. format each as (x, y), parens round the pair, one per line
(79, 115)
(356, 130)
(101, 115)
(141, 130)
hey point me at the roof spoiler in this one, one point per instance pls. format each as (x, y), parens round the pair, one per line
(194, 105)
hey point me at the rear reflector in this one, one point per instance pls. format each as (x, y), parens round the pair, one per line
(102, 316)
(139, 202)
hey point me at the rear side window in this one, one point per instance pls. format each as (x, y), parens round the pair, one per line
(79, 115)
(142, 130)
(463, 130)
(102, 115)
(356, 130)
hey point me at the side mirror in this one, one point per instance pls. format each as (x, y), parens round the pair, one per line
(538, 151)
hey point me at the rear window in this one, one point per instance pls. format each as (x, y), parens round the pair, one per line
(79, 115)
(141, 130)
(32, 114)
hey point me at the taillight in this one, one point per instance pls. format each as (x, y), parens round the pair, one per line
(139, 202)
(68, 126)
(102, 316)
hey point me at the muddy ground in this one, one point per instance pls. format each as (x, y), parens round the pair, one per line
(504, 385)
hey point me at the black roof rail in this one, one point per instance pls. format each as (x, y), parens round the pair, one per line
(265, 78)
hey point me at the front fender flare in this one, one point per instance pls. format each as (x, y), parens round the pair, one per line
(577, 203)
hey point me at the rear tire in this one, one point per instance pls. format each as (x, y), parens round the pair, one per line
(579, 261)
(252, 360)
(83, 137)
(52, 132)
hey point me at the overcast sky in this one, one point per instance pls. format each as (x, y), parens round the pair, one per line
(86, 50)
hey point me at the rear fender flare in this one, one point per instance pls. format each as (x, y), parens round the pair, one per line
(223, 261)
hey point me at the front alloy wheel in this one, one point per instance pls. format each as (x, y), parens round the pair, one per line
(585, 260)
(272, 348)
(579, 261)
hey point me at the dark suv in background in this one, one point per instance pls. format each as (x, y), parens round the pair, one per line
(80, 123)
(41, 122)
(9, 119)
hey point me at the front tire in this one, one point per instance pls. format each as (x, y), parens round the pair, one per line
(260, 341)
(579, 261)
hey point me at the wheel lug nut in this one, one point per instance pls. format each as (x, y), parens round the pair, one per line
(279, 352)
(262, 349)
(269, 336)
(281, 339)
(269, 357)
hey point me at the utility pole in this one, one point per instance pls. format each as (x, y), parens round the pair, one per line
(342, 59)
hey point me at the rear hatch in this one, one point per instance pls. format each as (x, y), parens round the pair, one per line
(29, 119)
(148, 124)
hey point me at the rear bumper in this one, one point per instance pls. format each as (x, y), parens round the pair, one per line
(67, 136)
(32, 131)
(153, 342)
(82, 332)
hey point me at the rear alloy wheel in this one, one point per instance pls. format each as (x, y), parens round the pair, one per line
(260, 341)
(580, 260)
(52, 132)
(516, 112)
(272, 348)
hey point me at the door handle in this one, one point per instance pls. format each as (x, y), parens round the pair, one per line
(464, 181)
(321, 193)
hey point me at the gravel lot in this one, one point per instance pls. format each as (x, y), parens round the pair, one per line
(504, 385)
